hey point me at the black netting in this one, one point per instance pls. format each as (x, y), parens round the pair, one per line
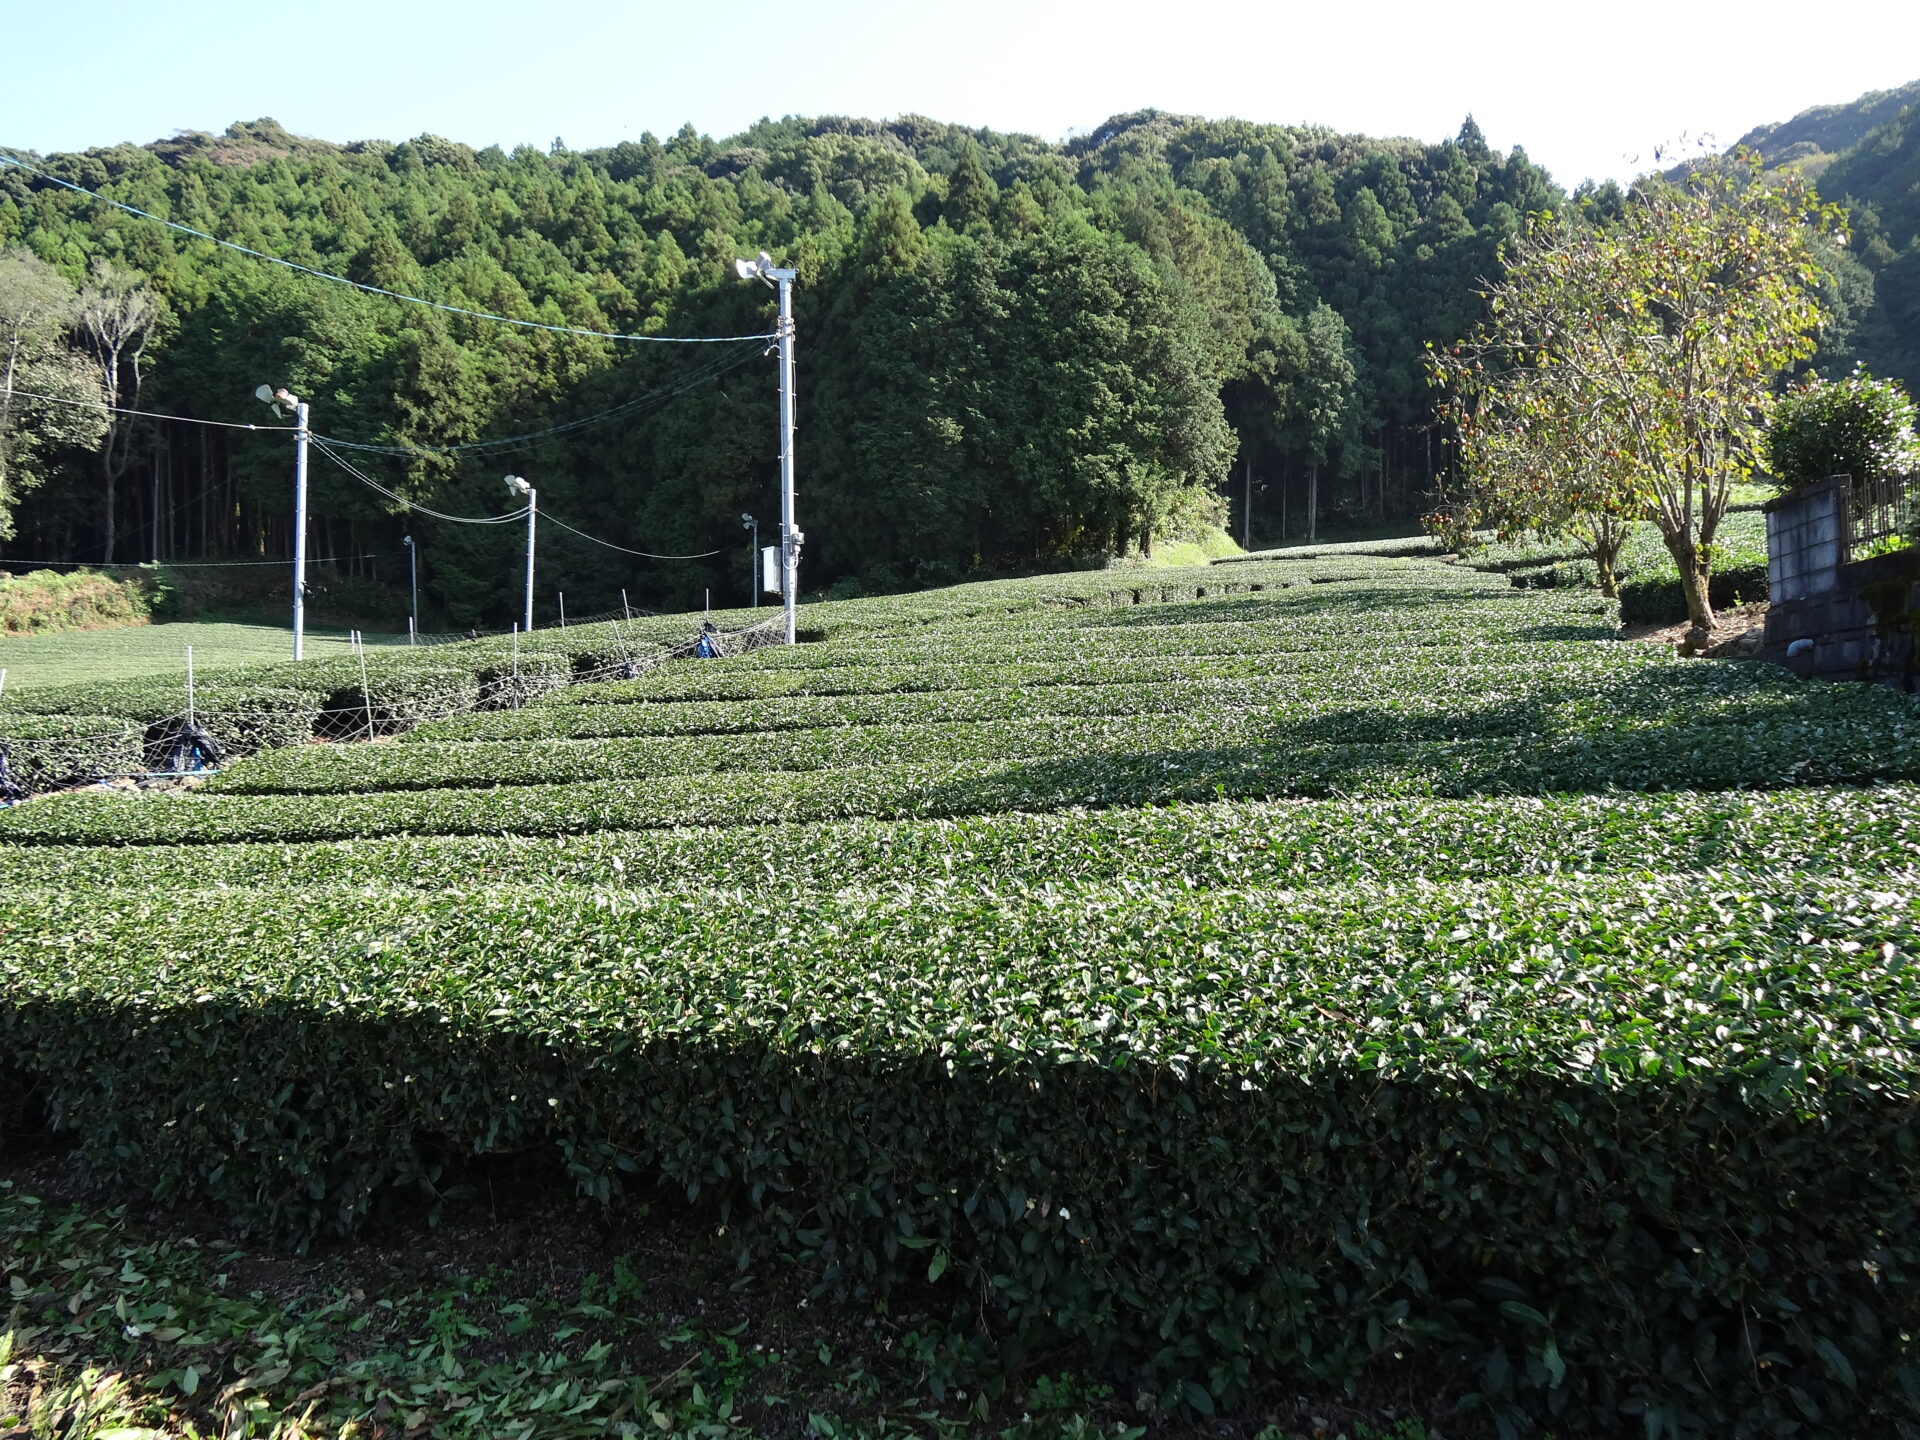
(184, 749)
(11, 790)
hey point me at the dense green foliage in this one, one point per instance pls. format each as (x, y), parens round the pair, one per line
(1089, 1066)
(1269, 844)
(46, 600)
(1010, 350)
(1859, 427)
(1261, 972)
(1879, 178)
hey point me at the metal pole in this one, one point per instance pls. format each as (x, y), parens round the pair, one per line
(789, 533)
(563, 607)
(300, 530)
(413, 584)
(533, 508)
(189, 686)
(626, 610)
(366, 695)
(753, 569)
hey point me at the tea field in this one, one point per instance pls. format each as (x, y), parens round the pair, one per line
(1344, 974)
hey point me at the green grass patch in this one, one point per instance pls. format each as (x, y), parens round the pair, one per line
(34, 662)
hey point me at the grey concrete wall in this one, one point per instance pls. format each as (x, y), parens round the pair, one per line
(1807, 539)
(1852, 620)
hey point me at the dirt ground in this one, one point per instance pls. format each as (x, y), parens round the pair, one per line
(1737, 635)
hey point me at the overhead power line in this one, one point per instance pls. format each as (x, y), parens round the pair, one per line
(712, 370)
(185, 564)
(371, 289)
(519, 514)
(123, 410)
(414, 505)
(644, 554)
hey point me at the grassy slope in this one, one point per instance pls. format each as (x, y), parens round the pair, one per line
(35, 661)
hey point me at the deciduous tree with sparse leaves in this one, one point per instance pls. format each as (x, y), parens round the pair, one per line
(1625, 371)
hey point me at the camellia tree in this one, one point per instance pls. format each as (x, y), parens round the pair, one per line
(1626, 371)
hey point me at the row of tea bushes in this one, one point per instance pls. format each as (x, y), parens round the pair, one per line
(746, 681)
(1785, 752)
(1119, 723)
(1651, 1144)
(1266, 844)
(1536, 697)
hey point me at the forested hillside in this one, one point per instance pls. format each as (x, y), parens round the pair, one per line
(1866, 154)
(1011, 352)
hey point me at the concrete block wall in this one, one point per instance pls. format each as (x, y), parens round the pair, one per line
(1829, 616)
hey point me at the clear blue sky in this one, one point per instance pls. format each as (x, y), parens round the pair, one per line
(1589, 89)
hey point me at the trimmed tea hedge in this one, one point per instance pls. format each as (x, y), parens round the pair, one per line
(1619, 1151)
(1784, 752)
(1064, 696)
(1109, 720)
(47, 752)
(1225, 845)
(701, 681)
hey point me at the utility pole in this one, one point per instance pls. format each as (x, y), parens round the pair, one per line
(277, 399)
(413, 587)
(300, 433)
(1246, 528)
(515, 483)
(763, 268)
(747, 522)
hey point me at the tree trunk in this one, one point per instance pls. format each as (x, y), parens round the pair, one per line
(1606, 558)
(1313, 502)
(1695, 571)
(109, 526)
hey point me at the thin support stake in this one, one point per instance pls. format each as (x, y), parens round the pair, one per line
(189, 685)
(366, 695)
(563, 608)
(626, 612)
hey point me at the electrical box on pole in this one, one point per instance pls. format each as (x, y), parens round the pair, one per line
(770, 568)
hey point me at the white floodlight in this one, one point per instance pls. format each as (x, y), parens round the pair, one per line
(264, 394)
(746, 269)
(525, 487)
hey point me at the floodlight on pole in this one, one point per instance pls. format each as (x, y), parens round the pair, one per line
(523, 487)
(281, 402)
(762, 268)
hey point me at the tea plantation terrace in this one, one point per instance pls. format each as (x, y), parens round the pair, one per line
(1309, 969)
